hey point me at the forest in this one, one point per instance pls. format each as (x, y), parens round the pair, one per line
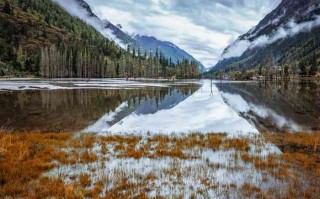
(34, 42)
(292, 57)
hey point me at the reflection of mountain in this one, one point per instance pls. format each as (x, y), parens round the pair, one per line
(73, 110)
(156, 99)
(174, 97)
(297, 102)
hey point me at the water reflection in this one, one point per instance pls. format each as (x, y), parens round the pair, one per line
(142, 105)
(233, 107)
(205, 111)
(275, 106)
(74, 110)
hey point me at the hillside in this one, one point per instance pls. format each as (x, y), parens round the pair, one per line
(288, 37)
(167, 48)
(39, 38)
(29, 33)
(82, 10)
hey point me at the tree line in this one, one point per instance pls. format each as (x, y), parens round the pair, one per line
(69, 61)
(270, 69)
(40, 38)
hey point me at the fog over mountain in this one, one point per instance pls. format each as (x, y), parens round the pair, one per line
(202, 28)
(289, 34)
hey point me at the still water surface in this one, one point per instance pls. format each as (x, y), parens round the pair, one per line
(162, 107)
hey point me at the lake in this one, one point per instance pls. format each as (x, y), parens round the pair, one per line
(151, 106)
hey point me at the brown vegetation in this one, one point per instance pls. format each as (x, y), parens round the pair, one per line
(300, 149)
(24, 157)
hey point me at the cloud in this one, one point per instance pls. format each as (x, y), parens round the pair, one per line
(203, 28)
(74, 9)
(288, 30)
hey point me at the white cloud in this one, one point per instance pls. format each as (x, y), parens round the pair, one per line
(73, 8)
(288, 30)
(202, 28)
(236, 49)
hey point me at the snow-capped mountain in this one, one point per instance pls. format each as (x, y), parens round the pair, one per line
(285, 34)
(167, 48)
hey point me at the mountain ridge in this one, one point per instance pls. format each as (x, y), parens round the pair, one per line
(40, 39)
(169, 49)
(286, 34)
(105, 27)
(123, 39)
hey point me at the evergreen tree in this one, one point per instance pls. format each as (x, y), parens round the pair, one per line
(68, 47)
(21, 58)
(133, 52)
(314, 67)
(303, 68)
(286, 70)
(8, 8)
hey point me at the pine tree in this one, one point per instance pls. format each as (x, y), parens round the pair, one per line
(21, 58)
(286, 70)
(133, 52)
(139, 73)
(260, 70)
(303, 68)
(314, 67)
(8, 8)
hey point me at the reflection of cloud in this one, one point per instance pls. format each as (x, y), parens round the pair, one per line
(241, 106)
(198, 113)
(102, 123)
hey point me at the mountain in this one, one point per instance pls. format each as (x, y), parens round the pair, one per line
(39, 38)
(287, 35)
(82, 10)
(167, 48)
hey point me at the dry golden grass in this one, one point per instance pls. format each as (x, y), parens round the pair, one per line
(251, 191)
(84, 180)
(300, 149)
(161, 146)
(24, 157)
(82, 141)
(88, 157)
(237, 144)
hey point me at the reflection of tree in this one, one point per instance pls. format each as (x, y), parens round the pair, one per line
(72, 110)
(211, 92)
(298, 101)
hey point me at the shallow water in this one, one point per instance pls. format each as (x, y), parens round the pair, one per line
(276, 106)
(143, 106)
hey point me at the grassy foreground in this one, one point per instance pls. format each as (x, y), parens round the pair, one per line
(66, 165)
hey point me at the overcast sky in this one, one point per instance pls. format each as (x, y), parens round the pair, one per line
(203, 28)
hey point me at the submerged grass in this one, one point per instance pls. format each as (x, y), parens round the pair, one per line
(65, 165)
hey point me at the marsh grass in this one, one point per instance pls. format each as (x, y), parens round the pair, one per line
(35, 165)
(24, 157)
